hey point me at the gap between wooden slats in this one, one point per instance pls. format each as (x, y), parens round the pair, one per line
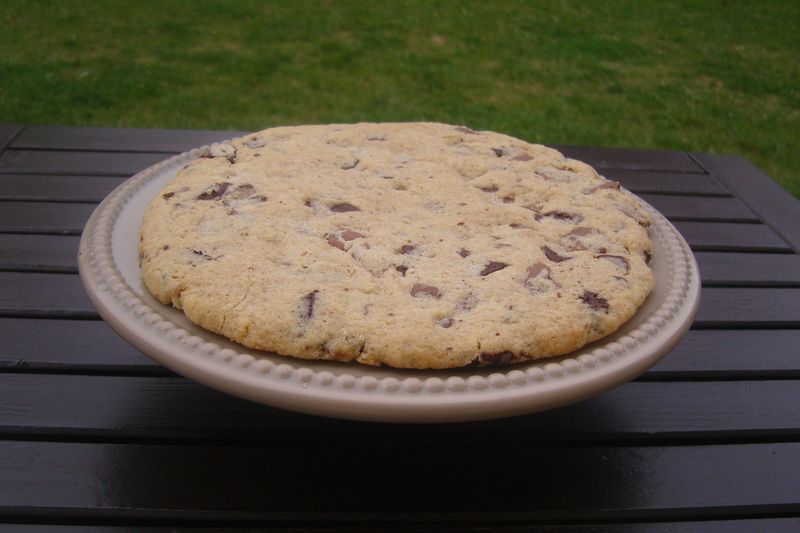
(360, 483)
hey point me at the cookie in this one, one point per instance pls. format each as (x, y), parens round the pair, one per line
(415, 245)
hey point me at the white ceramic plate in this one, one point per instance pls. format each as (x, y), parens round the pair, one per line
(109, 269)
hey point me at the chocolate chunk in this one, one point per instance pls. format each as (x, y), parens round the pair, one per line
(618, 260)
(499, 152)
(446, 322)
(489, 188)
(464, 129)
(492, 266)
(338, 240)
(572, 218)
(534, 270)
(350, 235)
(522, 157)
(595, 301)
(402, 269)
(422, 290)
(464, 252)
(508, 199)
(167, 195)
(309, 300)
(166, 247)
(553, 256)
(214, 191)
(537, 279)
(497, 358)
(407, 248)
(343, 208)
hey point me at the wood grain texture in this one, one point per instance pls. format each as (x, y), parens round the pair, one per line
(141, 408)
(631, 159)
(330, 485)
(44, 188)
(666, 182)
(118, 139)
(81, 163)
(44, 217)
(761, 193)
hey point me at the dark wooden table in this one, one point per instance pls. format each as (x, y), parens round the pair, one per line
(93, 433)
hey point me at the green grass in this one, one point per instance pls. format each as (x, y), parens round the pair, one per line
(721, 76)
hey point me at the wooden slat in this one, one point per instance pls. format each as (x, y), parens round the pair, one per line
(44, 217)
(329, 485)
(53, 253)
(631, 159)
(47, 295)
(57, 188)
(729, 307)
(117, 139)
(730, 353)
(78, 345)
(112, 407)
(82, 163)
(774, 204)
(723, 236)
(666, 182)
(718, 268)
(700, 208)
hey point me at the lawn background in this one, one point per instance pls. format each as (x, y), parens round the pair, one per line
(716, 76)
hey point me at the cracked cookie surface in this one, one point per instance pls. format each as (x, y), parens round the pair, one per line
(415, 245)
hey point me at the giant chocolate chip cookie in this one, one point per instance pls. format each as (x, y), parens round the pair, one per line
(412, 245)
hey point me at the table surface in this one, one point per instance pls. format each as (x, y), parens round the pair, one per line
(93, 433)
